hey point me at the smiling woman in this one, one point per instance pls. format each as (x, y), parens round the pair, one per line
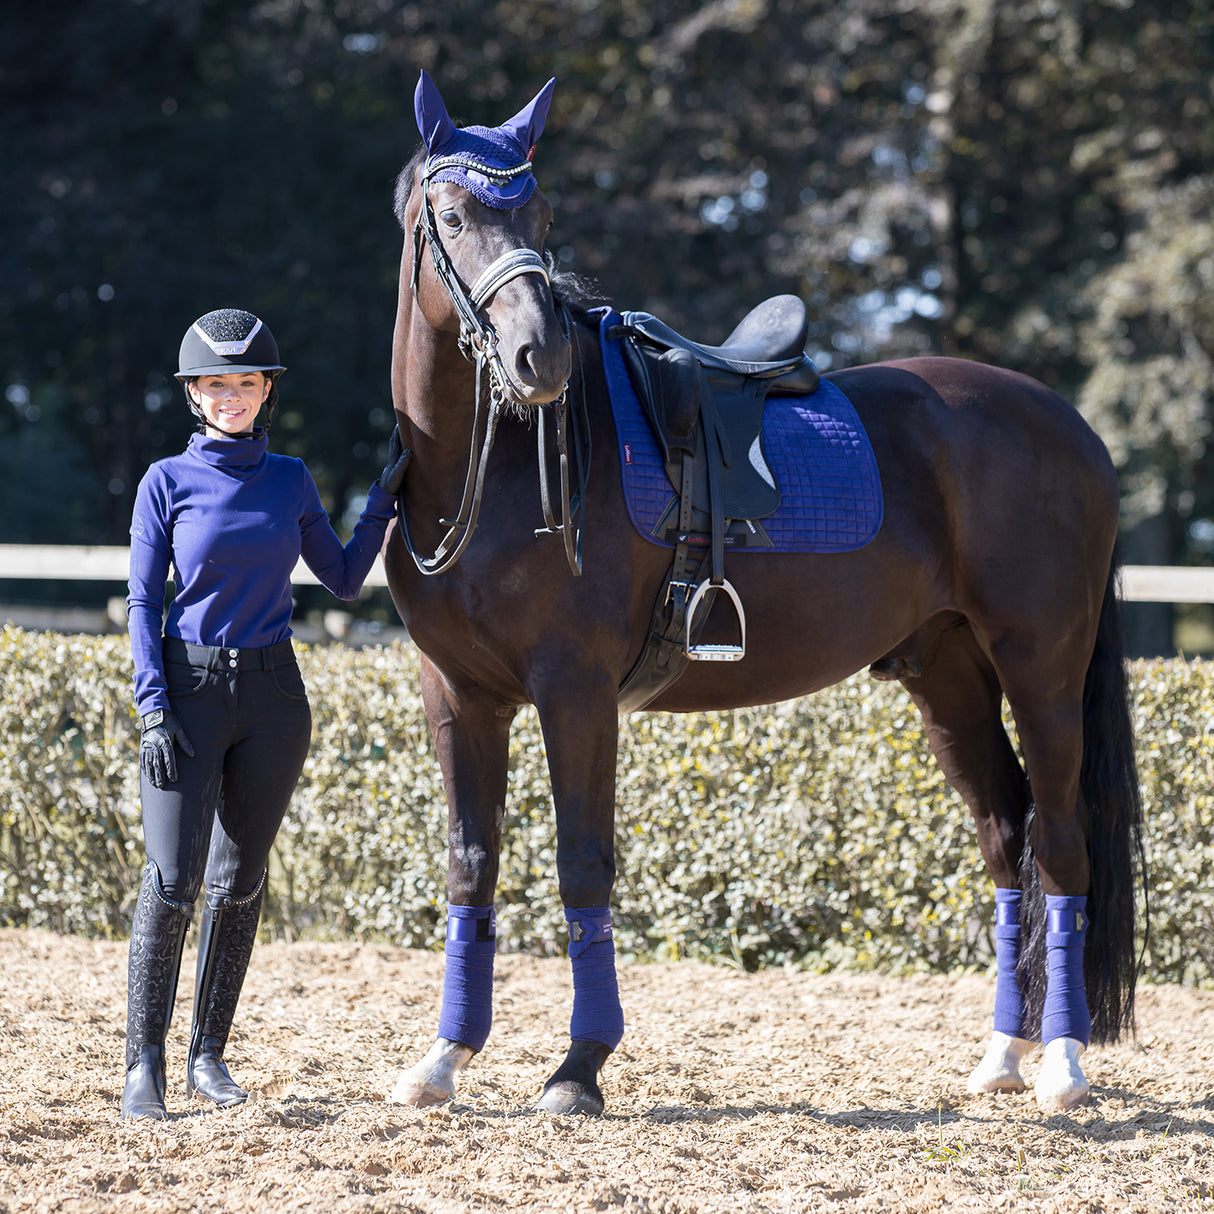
(224, 713)
(224, 352)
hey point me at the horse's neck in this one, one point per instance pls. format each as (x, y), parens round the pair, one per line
(434, 387)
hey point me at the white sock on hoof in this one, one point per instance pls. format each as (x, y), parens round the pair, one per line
(432, 1080)
(1061, 1083)
(999, 1070)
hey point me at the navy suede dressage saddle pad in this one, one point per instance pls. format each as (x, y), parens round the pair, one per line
(815, 445)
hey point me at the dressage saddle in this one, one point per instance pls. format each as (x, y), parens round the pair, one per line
(705, 405)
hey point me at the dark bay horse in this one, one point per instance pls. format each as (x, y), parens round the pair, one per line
(992, 575)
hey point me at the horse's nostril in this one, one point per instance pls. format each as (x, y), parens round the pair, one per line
(540, 368)
(525, 362)
(536, 365)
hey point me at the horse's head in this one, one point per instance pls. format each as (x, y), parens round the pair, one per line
(478, 222)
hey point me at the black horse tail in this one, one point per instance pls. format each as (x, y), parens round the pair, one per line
(1110, 792)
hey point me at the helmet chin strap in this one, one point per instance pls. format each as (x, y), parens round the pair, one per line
(270, 401)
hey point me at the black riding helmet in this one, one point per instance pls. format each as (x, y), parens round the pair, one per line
(224, 342)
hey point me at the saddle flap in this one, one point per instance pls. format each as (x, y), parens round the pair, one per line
(734, 407)
(681, 400)
(668, 385)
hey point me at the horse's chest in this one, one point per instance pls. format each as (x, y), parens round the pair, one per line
(464, 627)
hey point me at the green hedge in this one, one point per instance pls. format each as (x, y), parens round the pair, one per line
(818, 832)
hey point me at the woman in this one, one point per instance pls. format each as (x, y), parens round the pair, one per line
(224, 716)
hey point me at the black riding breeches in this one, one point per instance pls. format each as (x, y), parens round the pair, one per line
(245, 712)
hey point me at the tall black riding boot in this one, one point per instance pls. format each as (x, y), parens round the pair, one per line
(157, 937)
(227, 933)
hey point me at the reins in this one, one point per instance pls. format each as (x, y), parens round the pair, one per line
(459, 529)
(579, 435)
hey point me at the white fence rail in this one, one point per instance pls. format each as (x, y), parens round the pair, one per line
(62, 562)
(104, 563)
(79, 563)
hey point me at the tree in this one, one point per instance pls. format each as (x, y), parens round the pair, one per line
(1020, 184)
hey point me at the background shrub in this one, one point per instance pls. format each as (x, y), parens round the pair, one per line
(817, 832)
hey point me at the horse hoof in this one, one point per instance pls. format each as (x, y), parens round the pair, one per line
(432, 1081)
(571, 1099)
(574, 1088)
(420, 1093)
(999, 1070)
(1061, 1084)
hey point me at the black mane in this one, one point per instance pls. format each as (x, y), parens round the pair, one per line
(404, 184)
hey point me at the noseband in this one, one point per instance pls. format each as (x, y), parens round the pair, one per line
(478, 344)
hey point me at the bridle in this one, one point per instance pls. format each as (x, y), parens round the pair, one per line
(478, 344)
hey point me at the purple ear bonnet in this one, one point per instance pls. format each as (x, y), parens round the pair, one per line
(493, 163)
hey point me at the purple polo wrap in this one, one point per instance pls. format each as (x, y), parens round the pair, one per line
(1009, 998)
(496, 160)
(467, 1011)
(597, 1014)
(1065, 1013)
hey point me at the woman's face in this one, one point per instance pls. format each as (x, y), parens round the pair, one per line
(230, 403)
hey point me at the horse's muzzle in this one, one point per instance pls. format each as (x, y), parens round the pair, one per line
(535, 373)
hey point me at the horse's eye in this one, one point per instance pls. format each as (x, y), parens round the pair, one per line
(451, 219)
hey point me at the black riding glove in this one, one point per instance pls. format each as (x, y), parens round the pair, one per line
(393, 475)
(157, 759)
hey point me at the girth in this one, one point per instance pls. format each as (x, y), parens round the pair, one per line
(705, 404)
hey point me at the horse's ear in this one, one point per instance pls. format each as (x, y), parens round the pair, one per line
(528, 124)
(432, 120)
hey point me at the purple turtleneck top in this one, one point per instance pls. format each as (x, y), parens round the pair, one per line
(232, 519)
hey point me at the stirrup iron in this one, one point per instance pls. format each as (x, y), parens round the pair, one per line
(715, 653)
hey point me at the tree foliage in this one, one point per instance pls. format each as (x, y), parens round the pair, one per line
(1025, 184)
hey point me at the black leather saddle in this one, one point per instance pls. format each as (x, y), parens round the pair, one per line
(706, 402)
(769, 343)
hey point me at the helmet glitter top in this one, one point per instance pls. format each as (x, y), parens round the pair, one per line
(491, 163)
(228, 331)
(227, 340)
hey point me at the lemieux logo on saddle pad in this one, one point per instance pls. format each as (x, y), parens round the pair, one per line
(816, 447)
